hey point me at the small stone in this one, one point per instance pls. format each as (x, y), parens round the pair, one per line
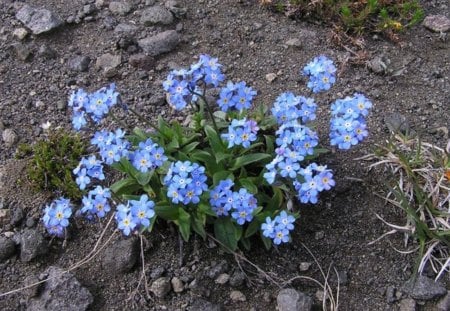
(397, 123)
(30, 222)
(160, 287)
(9, 137)
(61, 104)
(79, 63)
(217, 269)
(22, 51)
(378, 64)
(47, 52)
(88, 9)
(121, 256)
(222, 279)
(407, 304)
(203, 305)
(99, 3)
(437, 23)
(320, 295)
(304, 266)
(177, 284)
(20, 33)
(157, 272)
(126, 29)
(17, 216)
(156, 15)
(390, 294)
(34, 290)
(424, 288)
(120, 8)
(142, 61)
(161, 43)
(444, 303)
(237, 296)
(108, 61)
(289, 299)
(150, 2)
(38, 20)
(174, 7)
(270, 77)
(237, 278)
(32, 245)
(7, 248)
(294, 42)
(319, 235)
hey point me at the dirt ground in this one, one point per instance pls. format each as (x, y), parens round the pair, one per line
(251, 42)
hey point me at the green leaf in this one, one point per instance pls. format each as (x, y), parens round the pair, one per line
(222, 175)
(167, 212)
(267, 242)
(144, 178)
(220, 115)
(276, 200)
(126, 185)
(248, 184)
(190, 147)
(252, 228)
(225, 232)
(214, 140)
(184, 223)
(220, 156)
(269, 144)
(206, 209)
(245, 243)
(250, 158)
(198, 224)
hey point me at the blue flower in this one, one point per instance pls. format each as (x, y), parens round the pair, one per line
(241, 132)
(56, 216)
(142, 210)
(321, 72)
(82, 179)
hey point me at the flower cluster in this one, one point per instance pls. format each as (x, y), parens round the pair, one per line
(113, 145)
(95, 105)
(88, 168)
(321, 72)
(240, 204)
(148, 156)
(348, 125)
(278, 229)
(316, 178)
(235, 96)
(185, 182)
(56, 216)
(241, 133)
(96, 203)
(288, 107)
(182, 85)
(136, 215)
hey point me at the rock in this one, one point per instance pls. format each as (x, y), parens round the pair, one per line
(270, 77)
(237, 278)
(407, 304)
(22, 51)
(79, 63)
(38, 20)
(17, 216)
(237, 296)
(222, 279)
(379, 64)
(47, 52)
(424, 288)
(156, 15)
(7, 248)
(176, 9)
(157, 272)
(397, 123)
(9, 137)
(142, 61)
(120, 8)
(108, 61)
(217, 269)
(294, 42)
(203, 305)
(160, 287)
(304, 266)
(32, 245)
(125, 29)
(390, 294)
(30, 222)
(34, 290)
(289, 299)
(161, 43)
(444, 303)
(88, 9)
(20, 33)
(437, 23)
(177, 284)
(319, 235)
(61, 292)
(121, 256)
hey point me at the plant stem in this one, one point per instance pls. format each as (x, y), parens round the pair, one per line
(203, 98)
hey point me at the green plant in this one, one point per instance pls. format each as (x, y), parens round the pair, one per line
(420, 186)
(49, 167)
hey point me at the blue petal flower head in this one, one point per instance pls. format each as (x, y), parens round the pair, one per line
(268, 228)
(142, 210)
(321, 72)
(82, 179)
(56, 216)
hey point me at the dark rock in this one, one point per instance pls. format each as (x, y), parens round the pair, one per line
(17, 216)
(407, 304)
(47, 52)
(156, 15)
(157, 272)
(61, 292)
(126, 29)
(38, 20)
(176, 9)
(32, 245)
(379, 64)
(217, 269)
(30, 222)
(161, 287)
(289, 299)
(424, 288)
(437, 23)
(397, 123)
(7, 248)
(79, 63)
(125, 42)
(34, 290)
(390, 294)
(108, 61)
(161, 43)
(22, 51)
(121, 256)
(237, 278)
(142, 61)
(444, 303)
